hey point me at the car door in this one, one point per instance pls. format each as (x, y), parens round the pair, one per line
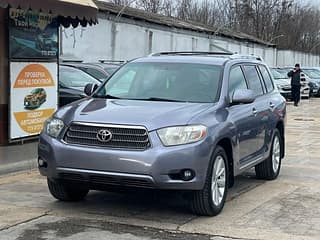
(243, 118)
(261, 107)
(271, 100)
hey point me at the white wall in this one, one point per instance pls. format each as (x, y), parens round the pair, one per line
(123, 41)
(289, 58)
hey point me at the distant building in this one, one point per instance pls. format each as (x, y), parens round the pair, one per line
(124, 33)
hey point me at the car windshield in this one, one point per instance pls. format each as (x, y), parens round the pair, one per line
(279, 74)
(35, 91)
(158, 81)
(71, 77)
(312, 73)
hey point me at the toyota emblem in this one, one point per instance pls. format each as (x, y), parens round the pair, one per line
(104, 135)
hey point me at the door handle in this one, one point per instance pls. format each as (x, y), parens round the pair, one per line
(272, 105)
(254, 112)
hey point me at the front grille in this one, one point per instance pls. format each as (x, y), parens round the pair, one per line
(124, 137)
(96, 179)
(119, 181)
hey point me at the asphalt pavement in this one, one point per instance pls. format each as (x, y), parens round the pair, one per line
(287, 208)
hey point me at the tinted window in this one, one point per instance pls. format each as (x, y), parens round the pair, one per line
(71, 77)
(187, 82)
(96, 73)
(266, 77)
(253, 79)
(236, 80)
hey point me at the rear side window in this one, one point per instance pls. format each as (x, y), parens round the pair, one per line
(236, 80)
(267, 78)
(253, 79)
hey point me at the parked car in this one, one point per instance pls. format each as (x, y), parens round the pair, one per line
(305, 88)
(46, 41)
(100, 71)
(71, 84)
(36, 97)
(183, 121)
(282, 82)
(314, 80)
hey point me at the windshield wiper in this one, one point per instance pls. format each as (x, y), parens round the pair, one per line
(106, 96)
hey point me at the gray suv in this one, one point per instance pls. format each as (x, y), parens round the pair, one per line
(181, 121)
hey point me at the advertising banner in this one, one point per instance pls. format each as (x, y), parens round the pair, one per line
(32, 35)
(33, 96)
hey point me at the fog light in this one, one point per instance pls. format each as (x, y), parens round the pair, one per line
(187, 174)
(42, 163)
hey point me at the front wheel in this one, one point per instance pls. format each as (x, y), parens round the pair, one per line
(210, 200)
(270, 168)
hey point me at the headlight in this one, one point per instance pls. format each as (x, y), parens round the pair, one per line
(53, 127)
(182, 134)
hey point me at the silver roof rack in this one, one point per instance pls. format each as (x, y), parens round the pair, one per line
(189, 53)
(195, 53)
(246, 56)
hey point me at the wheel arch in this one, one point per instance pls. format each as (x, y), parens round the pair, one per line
(281, 129)
(226, 144)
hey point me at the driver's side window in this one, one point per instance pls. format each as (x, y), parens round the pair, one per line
(236, 80)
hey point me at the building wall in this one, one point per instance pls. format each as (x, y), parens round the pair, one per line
(4, 76)
(125, 39)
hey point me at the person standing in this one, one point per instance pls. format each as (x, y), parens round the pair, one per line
(295, 76)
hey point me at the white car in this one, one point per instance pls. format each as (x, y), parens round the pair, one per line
(305, 88)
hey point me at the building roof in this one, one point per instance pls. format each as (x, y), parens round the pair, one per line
(139, 14)
(70, 12)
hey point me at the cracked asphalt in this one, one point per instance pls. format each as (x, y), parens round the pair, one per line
(287, 208)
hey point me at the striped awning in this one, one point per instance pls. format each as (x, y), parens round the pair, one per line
(69, 12)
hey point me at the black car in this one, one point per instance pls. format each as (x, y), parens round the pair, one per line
(71, 84)
(101, 70)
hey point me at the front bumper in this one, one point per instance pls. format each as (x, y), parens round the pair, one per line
(29, 103)
(151, 168)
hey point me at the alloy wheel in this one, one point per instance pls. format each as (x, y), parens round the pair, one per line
(218, 185)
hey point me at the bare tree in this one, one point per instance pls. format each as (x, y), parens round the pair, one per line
(287, 23)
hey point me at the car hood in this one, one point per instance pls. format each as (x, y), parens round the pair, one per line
(153, 115)
(282, 81)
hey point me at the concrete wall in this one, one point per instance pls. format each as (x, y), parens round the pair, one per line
(124, 39)
(289, 58)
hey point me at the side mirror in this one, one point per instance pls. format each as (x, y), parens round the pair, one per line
(90, 88)
(243, 96)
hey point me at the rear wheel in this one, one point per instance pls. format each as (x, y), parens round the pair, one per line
(270, 168)
(66, 191)
(210, 200)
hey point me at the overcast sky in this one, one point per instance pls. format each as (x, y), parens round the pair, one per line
(315, 2)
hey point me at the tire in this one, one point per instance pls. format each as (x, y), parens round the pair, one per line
(203, 202)
(66, 192)
(269, 169)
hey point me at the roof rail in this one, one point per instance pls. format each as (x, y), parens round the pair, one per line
(111, 61)
(189, 53)
(246, 56)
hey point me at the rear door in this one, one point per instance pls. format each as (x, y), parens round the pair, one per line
(260, 108)
(271, 100)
